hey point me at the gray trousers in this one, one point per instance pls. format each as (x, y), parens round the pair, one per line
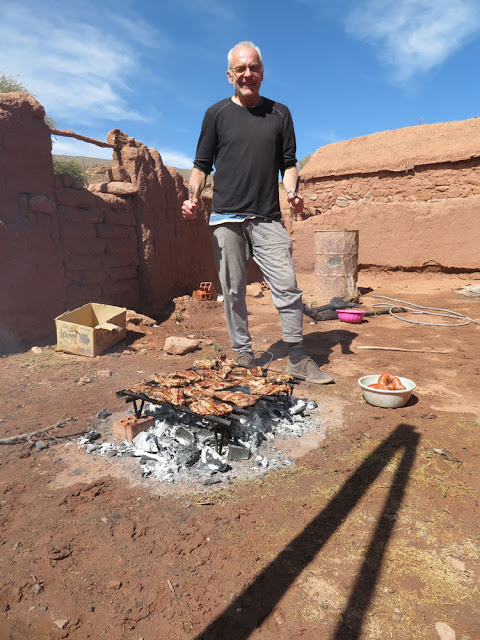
(271, 248)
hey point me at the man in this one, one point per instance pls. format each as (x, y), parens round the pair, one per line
(250, 139)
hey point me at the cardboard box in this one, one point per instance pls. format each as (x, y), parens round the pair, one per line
(91, 329)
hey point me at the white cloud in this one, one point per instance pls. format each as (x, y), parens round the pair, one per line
(79, 71)
(414, 36)
(176, 159)
(72, 147)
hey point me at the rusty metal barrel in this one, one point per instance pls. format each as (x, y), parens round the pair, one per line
(336, 265)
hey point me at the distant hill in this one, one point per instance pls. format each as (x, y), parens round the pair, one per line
(86, 163)
(95, 165)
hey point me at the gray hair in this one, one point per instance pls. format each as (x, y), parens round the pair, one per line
(241, 45)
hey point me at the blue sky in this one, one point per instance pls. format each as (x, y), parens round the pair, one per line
(151, 68)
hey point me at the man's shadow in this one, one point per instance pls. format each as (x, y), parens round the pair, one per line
(257, 602)
(318, 345)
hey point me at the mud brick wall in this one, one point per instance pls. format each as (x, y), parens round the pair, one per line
(99, 247)
(428, 217)
(121, 242)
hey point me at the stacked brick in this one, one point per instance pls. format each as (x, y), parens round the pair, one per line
(430, 183)
(99, 243)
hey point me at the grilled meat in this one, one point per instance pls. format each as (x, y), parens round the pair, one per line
(210, 407)
(237, 397)
(278, 378)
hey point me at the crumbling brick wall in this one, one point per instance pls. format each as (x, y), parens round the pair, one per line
(121, 242)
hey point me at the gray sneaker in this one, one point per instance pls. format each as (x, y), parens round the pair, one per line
(245, 359)
(309, 371)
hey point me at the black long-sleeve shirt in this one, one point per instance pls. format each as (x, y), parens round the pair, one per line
(248, 148)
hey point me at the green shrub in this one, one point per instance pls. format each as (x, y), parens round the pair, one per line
(10, 83)
(73, 168)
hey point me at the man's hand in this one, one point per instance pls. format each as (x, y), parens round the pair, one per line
(190, 208)
(295, 202)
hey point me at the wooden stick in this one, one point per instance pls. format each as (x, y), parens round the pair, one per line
(401, 349)
(28, 436)
(70, 134)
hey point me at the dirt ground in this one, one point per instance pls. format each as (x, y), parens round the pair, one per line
(372, 533)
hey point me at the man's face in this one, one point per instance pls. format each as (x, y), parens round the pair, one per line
(246, 73)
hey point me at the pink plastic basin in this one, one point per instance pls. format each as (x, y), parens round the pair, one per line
(350, 315)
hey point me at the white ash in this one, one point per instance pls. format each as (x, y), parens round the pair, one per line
(180, 442)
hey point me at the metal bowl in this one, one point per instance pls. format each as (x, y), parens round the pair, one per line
(382, 397)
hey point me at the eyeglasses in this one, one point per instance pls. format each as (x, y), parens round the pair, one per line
(241, 68)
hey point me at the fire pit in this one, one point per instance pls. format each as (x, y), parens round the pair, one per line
(218, 391)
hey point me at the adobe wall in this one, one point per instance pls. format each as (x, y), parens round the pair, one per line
(121, 242)
(426, 217)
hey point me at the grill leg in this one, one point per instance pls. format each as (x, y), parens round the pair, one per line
(219, 445)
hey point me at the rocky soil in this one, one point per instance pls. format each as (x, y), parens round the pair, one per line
(371, 532)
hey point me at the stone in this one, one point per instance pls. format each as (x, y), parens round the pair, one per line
(61, 624)
(455, 563)
(444, 631)
(91, 448)
(37, 588)
(98, 187)
(139, 318)
(41, 204)
(237, 453)
(178, 346)
(40, 445)
(104, 413)
(119, 174)
(121, 188)
(84, 380)
(36, 350)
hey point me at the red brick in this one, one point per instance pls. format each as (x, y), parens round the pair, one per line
(124, 287)
(79, 246)
(113, 231)
(75, 198)
(77, 295)
(128, 428)
(82, 263)
(128, 245)
(72, 214)
(72, 230)
(120, 260)
(113, 202)
(123, 273)
(92, 276)
(120, 217)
